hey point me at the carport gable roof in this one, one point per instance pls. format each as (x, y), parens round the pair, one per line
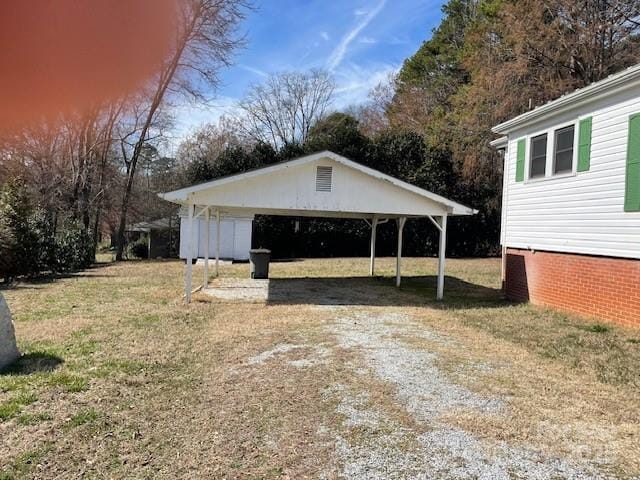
(349, 203)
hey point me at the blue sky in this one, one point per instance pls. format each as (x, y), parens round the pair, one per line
(360, 42)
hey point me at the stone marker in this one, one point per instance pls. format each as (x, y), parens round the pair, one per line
(8, 348)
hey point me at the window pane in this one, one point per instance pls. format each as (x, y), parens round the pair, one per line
(538, 166)
(564, 139)
(564, 161)
(538, 156)
(539, 146)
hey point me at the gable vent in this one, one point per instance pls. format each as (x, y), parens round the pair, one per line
(323, 179)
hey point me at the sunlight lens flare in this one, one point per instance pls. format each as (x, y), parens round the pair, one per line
(62, 55)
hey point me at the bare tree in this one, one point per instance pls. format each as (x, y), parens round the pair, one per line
(208, 141)
(66, 163)
(373, 116)
(204, 40)
(283, 109)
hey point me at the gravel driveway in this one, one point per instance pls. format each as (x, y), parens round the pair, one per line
(371, 443)
(441, 451)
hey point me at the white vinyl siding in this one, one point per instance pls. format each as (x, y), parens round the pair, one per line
(576, 212)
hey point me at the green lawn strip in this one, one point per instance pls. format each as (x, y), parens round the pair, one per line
(33, 418)
(12, 407)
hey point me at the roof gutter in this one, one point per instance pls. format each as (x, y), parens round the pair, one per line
(499, 143)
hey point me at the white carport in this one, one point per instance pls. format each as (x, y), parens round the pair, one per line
(320, 185)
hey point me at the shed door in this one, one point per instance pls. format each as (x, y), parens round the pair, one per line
(242, 240)
(226, 238)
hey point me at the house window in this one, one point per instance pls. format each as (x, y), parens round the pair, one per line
(538, 156)
(563, 151)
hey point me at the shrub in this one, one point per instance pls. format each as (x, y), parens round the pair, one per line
(597, 328)
(20, 247)
(43, 247)
(74, 248)
(7, 248)
(139, 248)
(29, 243)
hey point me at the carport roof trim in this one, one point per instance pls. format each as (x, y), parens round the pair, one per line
(181, 196)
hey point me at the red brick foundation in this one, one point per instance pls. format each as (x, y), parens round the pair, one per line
(601, 287)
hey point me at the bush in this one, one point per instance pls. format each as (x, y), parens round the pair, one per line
(74, 249)
(43, 248)
(139, 248)
(29, 243)
(7, 248)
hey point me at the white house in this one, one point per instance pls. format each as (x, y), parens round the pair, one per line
(235, 236)
(571, 201)
(323, 184)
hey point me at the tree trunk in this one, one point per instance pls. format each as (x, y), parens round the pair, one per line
(163, 83)
(123, 218)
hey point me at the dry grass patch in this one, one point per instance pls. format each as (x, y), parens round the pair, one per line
(563, 410)
(122, 380)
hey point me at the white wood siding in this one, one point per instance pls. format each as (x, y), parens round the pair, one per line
(582, 212)
(292, 191)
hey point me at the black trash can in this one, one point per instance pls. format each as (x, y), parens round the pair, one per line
(259, 259)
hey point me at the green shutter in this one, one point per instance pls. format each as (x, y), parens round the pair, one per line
(522, 143)
(584, 145)
(632, 186)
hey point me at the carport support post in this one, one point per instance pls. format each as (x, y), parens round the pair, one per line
(217, 241)
(189, 267)
(207, 235)
(374, 226)
(401, 222)
(441, 256)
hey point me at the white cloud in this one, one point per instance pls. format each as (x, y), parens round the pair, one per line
(355, 82)
(324, 35)
(256, 71)
(338, 53)
(359, 12)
